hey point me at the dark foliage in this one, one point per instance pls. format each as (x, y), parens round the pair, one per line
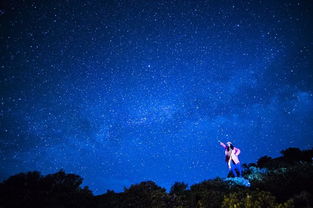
(178, 188)
(34, 190)
(145, 194)
(263, 161)
(285, 181)
(290, 156)
(109, 200)
(209, 193)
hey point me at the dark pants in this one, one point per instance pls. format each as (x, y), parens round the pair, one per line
(234, 167)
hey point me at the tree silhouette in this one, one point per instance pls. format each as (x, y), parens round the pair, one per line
(292, 154)
(34, 190)
(264, 161)
(251, 199)
(145, 194)
(284, 181)
(178, 188)
(179, 195)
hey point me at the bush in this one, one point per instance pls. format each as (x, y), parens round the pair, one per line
(255, 199)
(145, 194)
(34, 190)
(284, 183)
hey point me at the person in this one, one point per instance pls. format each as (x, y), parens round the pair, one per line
(231, 158)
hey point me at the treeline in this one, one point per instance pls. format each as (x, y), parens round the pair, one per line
(281, 182)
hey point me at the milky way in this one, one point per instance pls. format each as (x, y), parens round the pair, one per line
(121, 92)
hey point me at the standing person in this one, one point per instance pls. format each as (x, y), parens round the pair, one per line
(231, 157)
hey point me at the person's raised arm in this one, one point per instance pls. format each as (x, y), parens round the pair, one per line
(222, 144)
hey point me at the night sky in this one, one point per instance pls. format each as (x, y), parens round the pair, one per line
(125, 91)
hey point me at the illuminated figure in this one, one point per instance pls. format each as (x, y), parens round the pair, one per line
(231, 158)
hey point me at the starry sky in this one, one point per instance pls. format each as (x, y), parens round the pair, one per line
(124, 91)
